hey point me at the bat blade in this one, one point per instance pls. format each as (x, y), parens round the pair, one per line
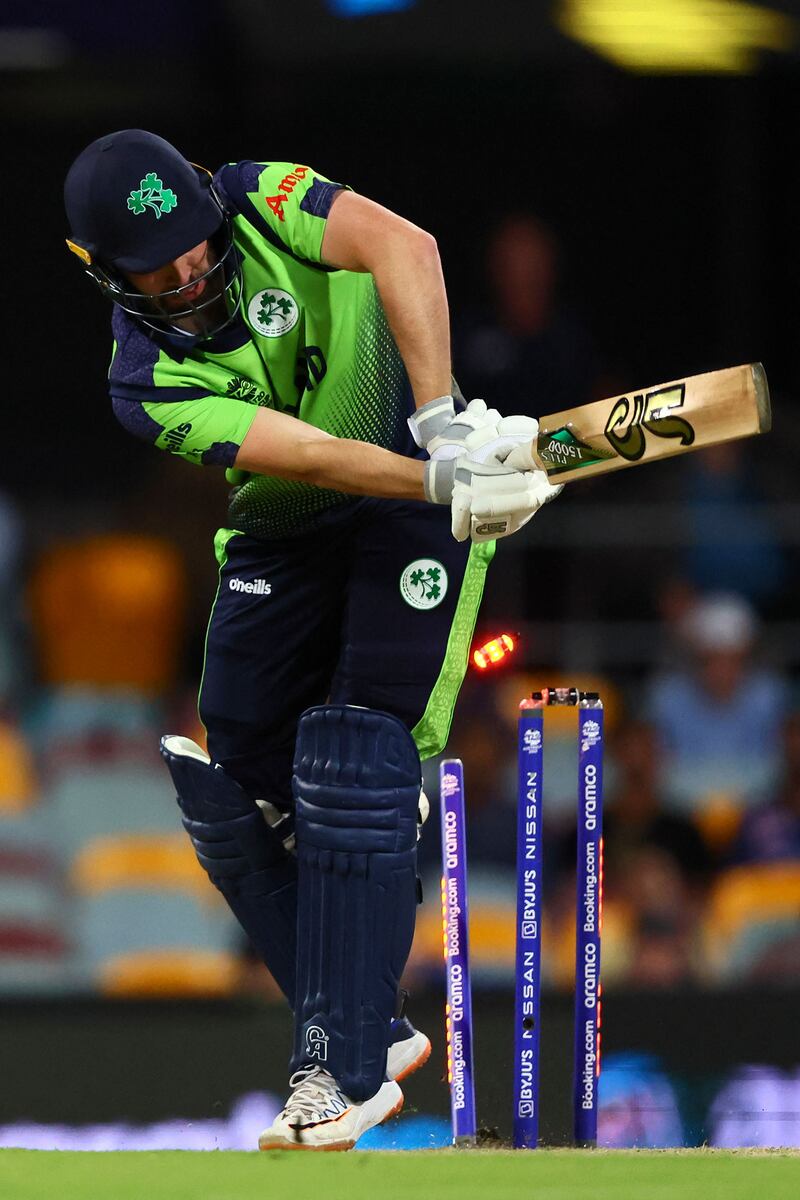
(658, 422)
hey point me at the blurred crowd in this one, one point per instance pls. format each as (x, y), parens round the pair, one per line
(101, 635)
(702, 814)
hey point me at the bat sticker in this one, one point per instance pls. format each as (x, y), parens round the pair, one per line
(563, 450)
(651, 411)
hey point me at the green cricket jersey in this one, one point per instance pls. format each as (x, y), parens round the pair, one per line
(309, 341)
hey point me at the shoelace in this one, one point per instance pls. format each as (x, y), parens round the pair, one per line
(312, 1088)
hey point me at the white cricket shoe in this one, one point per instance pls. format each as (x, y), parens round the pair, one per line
(410, 1051)
(318, 1115)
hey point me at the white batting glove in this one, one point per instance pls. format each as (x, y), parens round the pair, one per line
(508, 435)
(490, 443)
(478, 432)
(481, 433)
(439, 429)
(490, 501)
(431, 419)
(520, 457)
(476, 424)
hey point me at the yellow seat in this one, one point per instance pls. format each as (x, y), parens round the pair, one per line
(747, 896)
(718, 818)
(141, 862)
(558, 946)
(108, 611)
(491, 934)
(149, 922)
(18, 789)
(170, 973)
(492, 941)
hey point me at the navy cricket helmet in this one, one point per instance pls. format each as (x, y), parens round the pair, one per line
(135, 204)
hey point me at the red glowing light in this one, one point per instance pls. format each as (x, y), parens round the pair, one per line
(494, 651)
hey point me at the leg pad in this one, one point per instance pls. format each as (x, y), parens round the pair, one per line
(244, 857)
(356, 786)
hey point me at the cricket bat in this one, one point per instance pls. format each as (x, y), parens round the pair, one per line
(670, 418)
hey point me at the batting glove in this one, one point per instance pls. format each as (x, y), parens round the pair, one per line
(492, 501)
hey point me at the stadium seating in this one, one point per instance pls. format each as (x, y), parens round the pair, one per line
(750, 907)
(147, 920)
(108, 611)
(35, 931)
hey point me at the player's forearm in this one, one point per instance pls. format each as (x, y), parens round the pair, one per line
(280, 445)
(410, 283)
(361, 469)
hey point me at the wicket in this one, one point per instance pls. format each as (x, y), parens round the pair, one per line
(458, 1009)
(589, 901)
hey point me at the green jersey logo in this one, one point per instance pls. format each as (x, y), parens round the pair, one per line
(273, 312)
(153, 195)
(423, 584)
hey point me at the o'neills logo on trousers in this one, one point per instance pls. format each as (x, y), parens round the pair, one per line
(256, 587)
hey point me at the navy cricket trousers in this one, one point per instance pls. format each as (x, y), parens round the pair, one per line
(376, 609)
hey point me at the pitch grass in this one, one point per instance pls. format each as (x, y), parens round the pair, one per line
(434, 1174)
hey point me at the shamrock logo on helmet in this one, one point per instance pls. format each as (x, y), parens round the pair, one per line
(152, 194)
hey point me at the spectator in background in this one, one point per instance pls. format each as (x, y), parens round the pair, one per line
(732, 545)
(771, 833)
(718, 717)
(525, 346)
(665, 949)
(636, 818)
(656, 869)
(522, 342)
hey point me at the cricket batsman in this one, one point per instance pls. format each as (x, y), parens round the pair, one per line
(281, 327)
